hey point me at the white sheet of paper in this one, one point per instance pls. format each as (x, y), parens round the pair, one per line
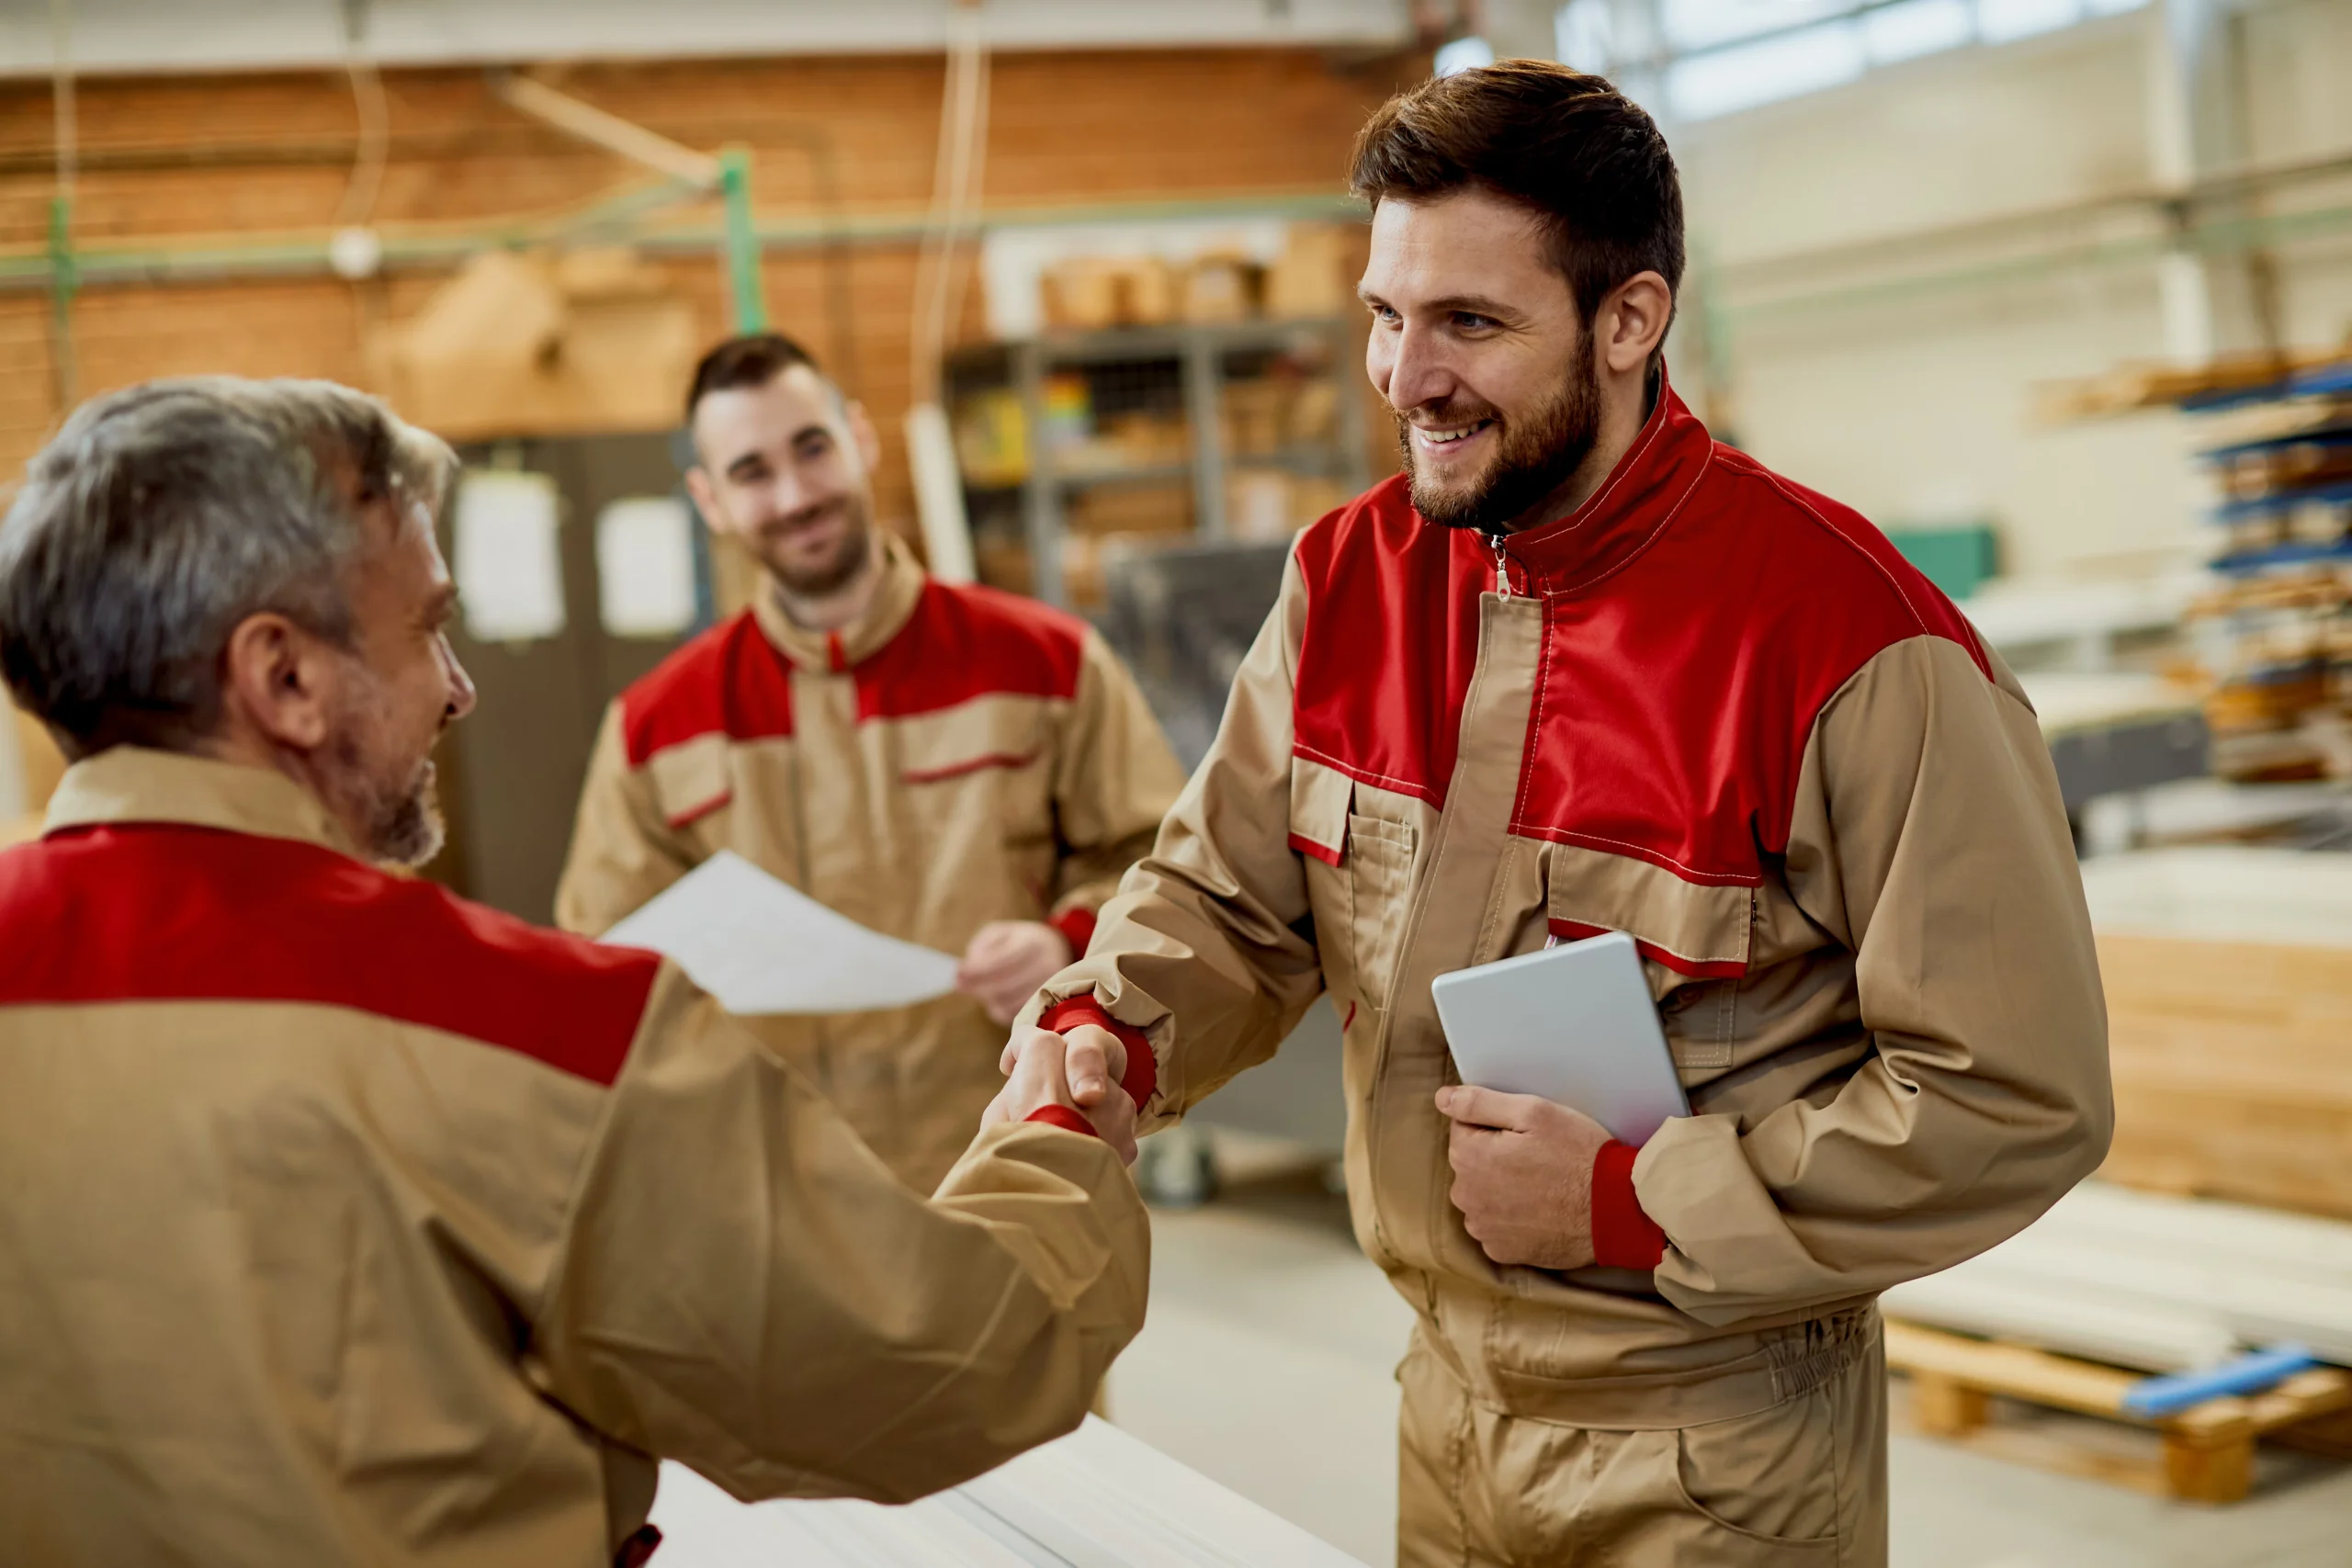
(761, 946)
(645, 566)
(1098, 1499)
(509, 568)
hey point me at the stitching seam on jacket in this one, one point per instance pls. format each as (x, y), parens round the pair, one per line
(1563, 835)
(1422, 793)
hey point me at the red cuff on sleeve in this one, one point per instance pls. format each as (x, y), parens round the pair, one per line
(1062, 1116)
(1143, 1070)
(1078, 927)
(1623, 1236)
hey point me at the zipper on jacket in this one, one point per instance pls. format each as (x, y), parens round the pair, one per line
(1502, 566)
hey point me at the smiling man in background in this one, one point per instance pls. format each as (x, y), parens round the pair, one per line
(947, 764)
(1584, 670)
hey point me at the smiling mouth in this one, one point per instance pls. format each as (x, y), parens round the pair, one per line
(1451, 435)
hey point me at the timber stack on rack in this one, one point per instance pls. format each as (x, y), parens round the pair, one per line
(2202, 1289)
(2211, 1266)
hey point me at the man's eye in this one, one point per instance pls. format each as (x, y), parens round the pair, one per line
(1469, 322)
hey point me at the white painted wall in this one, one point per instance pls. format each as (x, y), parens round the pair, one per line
(1919, 407)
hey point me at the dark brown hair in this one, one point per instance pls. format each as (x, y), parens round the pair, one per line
(1579, 154)
(752, 360)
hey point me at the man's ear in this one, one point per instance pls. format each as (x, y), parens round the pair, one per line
(278, 683)
(862, 431)
(1632, 323)
(705, 498)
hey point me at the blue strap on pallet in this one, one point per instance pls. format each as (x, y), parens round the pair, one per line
(2250, 1374)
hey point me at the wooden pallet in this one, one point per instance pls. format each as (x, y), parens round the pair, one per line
(2206, 1449)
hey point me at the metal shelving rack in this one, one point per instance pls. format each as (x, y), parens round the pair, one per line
(2276, 632)
(1202, 357)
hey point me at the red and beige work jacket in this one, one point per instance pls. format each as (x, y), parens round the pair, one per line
(344, 1222)
(1716, 711)
(958, 756)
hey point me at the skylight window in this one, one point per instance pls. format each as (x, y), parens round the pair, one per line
(1805, 61)
(1909, 28)
(1722, 56)
(1999, 21)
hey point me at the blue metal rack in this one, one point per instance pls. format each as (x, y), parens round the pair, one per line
(2282, 500)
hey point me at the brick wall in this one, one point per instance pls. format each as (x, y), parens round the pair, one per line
(250, 157)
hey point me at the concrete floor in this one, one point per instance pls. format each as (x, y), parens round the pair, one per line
(1267, 1364)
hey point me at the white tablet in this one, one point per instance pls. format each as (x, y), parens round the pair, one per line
(1574, 1024)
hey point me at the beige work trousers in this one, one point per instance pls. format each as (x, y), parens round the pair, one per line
(1802, 1483)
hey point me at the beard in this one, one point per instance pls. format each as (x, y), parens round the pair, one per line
(392, 804)
(405, 827)
(1535, 457)
(827, 576)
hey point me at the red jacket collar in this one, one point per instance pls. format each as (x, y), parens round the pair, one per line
(1632, 507)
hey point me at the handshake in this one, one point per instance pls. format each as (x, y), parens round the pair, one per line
(1080, 1072)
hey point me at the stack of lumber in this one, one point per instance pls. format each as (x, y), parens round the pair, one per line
(2150, 385)
(2228, 988)
(2143, 1281)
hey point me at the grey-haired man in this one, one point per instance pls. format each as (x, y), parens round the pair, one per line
(347, 1222)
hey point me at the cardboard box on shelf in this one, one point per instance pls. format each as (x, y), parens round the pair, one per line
(1314, 413)
(993, 439)
(1256, 416)
(1098, 510)
(1220, 288)
(1004, 563)
(1274, 503)
(1149, 440)
(1093, 293)
(1311, 277)
(1256, 504)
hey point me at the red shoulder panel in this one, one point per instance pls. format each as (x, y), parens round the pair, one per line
(166, 913)
(727, 681)
(1678, 697)
(1391, 638)
(966, 641)
(1678, 688)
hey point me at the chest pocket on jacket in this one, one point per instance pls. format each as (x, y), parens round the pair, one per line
(1359, 880)
(1379, 867)
(1694, 936)
(985, 766)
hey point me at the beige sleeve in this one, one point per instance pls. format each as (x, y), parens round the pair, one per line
(1929, 840)
(743, 1285)
(1114, 778)
(623, 851)
(1210, 930)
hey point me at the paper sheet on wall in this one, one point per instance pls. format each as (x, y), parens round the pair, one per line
(509, 562)
(762, 947)
(1098, 1499)
(645, 566)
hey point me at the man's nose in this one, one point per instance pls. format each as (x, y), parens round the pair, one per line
(1420, 372)
(795, 497)
(462, 695)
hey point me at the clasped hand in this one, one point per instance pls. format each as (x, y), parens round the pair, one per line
(1080, 1071)
(1522, 1175)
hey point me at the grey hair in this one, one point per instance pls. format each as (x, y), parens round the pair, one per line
(162, 515)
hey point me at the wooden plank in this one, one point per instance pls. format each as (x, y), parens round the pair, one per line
(1946, 1407)
(2012, 1371)
(2233, 1069)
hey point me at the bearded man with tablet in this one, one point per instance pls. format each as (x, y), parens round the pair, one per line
(1583, 668)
